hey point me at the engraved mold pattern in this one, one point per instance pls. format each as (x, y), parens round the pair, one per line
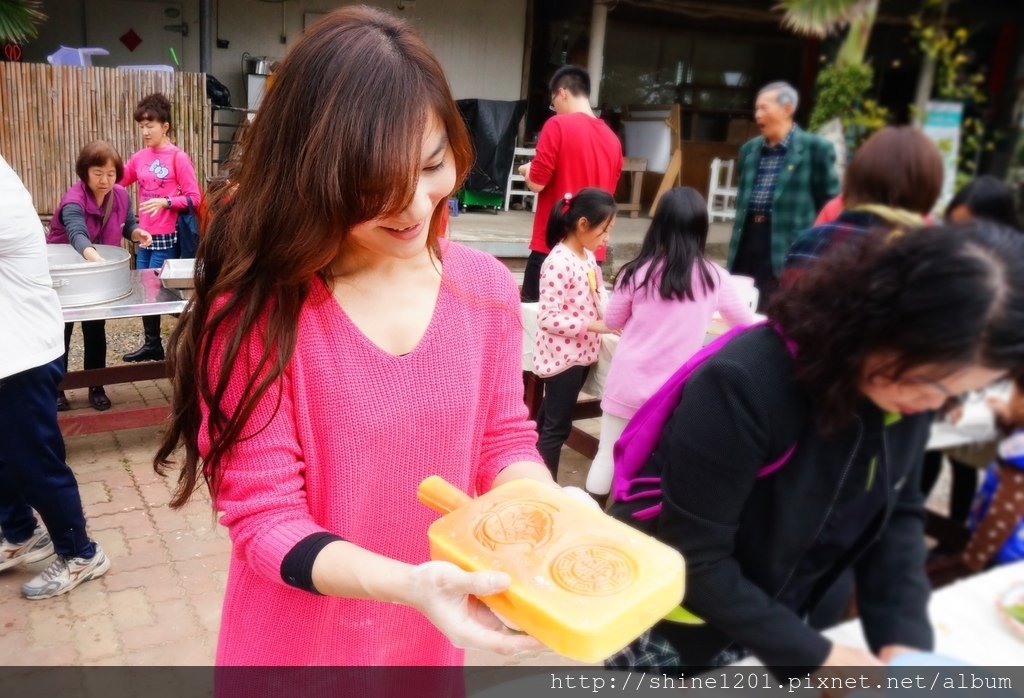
(516, 523)
(593, 570)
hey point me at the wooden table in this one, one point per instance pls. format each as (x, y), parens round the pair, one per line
(148, 297)
(633, 172)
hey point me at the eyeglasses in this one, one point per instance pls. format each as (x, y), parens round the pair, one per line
(551, 105)
(911, 382)
(937, 386)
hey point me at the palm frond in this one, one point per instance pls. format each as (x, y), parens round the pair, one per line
(819, 17)
(19, 20)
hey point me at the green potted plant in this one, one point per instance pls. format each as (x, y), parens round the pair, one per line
(843, 85)
(19, 20)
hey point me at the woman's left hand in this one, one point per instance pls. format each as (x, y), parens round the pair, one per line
(151, 206)
(529, 470)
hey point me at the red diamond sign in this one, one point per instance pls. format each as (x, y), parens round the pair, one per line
(131, 39)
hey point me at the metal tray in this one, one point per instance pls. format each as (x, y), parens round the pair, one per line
(178, 273)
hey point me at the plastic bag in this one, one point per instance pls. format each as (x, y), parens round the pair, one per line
(217, 92)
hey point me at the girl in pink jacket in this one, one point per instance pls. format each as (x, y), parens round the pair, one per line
(663, 302)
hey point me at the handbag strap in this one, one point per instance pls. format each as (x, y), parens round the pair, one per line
(108, 208)
(188, 199)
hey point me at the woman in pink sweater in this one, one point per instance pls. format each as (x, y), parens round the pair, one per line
(663, 302)
(335, 354)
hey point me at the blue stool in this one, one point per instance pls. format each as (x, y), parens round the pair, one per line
(453, 206)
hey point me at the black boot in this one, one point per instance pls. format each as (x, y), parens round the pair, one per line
(152, 349)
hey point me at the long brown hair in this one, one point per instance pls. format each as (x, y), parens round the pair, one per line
(337, 141)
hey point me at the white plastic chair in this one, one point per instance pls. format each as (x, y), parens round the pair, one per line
(520, 156)
(722, 195)
(67, 55)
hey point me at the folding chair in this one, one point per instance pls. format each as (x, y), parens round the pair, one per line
(722, 196)
(520, 157)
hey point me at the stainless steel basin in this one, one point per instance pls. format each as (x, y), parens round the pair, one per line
(80, 282)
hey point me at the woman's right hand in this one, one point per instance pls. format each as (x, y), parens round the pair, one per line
(92, 255)
(844, 655)
(838, 681)
(142, 237)
(446, 595)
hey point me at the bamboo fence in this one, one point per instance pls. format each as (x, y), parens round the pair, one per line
(47, 113)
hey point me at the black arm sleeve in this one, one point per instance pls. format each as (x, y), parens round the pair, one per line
(130, 224)
(73, 218)
(297, 565)
(892, 586)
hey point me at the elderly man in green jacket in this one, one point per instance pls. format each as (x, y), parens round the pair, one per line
(786, 176)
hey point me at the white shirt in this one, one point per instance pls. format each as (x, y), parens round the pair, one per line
(31, 322)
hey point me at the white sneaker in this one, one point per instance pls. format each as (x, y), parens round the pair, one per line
(38, 547)
(64, 574)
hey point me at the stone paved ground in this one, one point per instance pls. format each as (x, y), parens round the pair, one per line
(160, 602)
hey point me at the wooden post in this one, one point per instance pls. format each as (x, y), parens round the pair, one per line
(674, 172)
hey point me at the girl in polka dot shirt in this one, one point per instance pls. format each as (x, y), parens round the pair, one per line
(569, 324)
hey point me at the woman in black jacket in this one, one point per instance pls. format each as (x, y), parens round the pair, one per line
(885, 332)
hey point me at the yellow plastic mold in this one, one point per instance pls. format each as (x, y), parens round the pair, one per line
(583, 583)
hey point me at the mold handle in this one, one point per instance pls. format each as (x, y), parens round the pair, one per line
(440, 495)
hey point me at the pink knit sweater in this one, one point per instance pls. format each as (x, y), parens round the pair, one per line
(659, 335)
(356, 431)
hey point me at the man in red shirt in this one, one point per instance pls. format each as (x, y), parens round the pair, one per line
(575, 150)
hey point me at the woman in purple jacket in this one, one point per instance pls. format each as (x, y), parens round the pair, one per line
(94, 211)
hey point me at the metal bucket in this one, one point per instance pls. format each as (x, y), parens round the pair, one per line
(81, 282)
(255, 65)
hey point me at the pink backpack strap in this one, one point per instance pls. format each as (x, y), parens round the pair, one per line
(641, 435)
(642, 432)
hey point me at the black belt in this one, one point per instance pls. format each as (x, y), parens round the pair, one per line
(759, 218)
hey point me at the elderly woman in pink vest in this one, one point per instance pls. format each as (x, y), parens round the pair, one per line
(96, 210)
